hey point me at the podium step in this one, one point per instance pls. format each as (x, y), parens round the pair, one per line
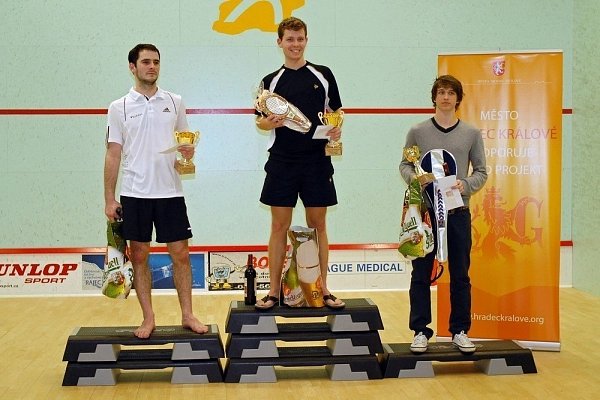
(359, 314)
(494, 357)
(106, 373)
(95, 356)
(338, 343)
(351, 337)
(340, 368)
(96, 344)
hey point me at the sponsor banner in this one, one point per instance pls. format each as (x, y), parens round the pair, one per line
(368, 271)
(40, 274)
(367, 267)
(81, 273)
(92, 270)
(515, 99)
(226, 270)
(161, 267)
(75, 274)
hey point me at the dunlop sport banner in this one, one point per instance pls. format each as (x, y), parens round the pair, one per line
(515, 99)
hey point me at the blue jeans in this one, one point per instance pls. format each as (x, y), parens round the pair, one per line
(459, 259)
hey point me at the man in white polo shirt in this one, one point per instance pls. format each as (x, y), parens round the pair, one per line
(140, 127)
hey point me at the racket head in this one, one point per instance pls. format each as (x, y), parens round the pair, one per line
(276, 105)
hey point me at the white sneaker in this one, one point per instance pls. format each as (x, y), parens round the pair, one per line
(419, 343)
(461, 340)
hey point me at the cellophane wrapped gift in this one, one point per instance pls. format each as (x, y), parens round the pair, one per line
(416, 236)
(302, 285)
(118, 271)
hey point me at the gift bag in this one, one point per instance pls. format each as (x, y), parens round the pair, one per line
(301, 279)
(118, 271)
(416, 236)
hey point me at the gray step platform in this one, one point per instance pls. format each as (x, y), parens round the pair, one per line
(340, 368)
(338, 343)
(494, 357)
(106, 373)
(359, 314)
(95, 356)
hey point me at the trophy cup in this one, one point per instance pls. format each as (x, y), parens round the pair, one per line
(186, 166)
(271, 103)
(412, 154)
(335, 119)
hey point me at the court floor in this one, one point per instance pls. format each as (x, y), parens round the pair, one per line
(34, 330)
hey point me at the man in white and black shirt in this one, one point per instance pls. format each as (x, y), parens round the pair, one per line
(140, 126)
(297, 164)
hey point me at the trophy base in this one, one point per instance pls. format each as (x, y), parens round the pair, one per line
(426, 178)
(335, 150)
(185, 169)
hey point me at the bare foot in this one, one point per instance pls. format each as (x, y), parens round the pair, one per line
(145, 329)
(194, 324)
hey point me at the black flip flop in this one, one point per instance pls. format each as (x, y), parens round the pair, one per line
(265, 299)
(334, 306)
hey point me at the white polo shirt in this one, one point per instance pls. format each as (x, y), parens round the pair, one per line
(145, 127)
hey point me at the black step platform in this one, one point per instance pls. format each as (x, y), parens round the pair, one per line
(338, 343)
(358, 315)
(351, 337)
(95, 356)
(494, 357)
(339, 368)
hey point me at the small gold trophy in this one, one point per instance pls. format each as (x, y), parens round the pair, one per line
(186, 166)
(412, 154)
(336, 119)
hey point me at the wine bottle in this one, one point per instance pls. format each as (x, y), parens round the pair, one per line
(250, 282)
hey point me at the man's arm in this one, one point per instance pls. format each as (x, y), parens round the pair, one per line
(479, 176)
(112, 161)
(407, 168)
(182, 125)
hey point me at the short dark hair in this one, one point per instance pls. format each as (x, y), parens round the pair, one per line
(293, 24)
(134, 53)
(447, 81)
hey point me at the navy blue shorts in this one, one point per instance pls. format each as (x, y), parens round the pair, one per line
(168, 216)
(285, 181)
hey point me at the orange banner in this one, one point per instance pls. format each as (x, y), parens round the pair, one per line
(516, 101)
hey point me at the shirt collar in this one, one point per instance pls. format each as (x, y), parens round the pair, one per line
(136, 96)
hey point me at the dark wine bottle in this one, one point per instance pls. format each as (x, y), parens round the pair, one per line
(250, 282)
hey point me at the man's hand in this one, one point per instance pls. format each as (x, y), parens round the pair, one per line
(113, 211)
(335, 134)
(187, 151)
(459, 185)
(271, 122)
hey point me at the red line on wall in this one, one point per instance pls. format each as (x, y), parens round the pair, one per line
(213, 248)
(53, 111)
(227, 111)
(217, 111)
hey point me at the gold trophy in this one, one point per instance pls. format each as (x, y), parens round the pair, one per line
(335, 119)
(186, 166)
(412, 154)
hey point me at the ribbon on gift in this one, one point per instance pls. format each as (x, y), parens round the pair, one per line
(441, 163)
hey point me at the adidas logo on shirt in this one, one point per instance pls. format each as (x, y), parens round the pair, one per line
(166, 109)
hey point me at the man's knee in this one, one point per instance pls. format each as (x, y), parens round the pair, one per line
(318, 224)
(279, 226)
(138, 255)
